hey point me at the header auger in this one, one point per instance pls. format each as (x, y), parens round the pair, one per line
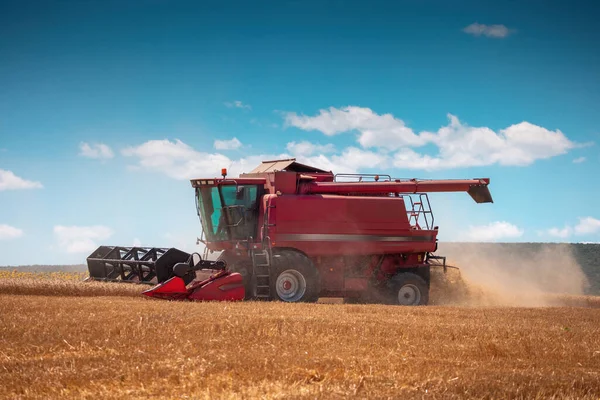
(287, 231)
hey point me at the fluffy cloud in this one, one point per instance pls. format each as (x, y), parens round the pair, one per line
(585, 226)
(231, 144)
(461, 145)
(305, 148)
(98, 151)
(561, 232)
(351, 160)
(9, 232)
(374, 130)
(493, 232)
(579, 160)
(385, 142)
(176, 159)
(81, 239)
(237, 104)
(9, 181)
(492, 31)
(180, 161)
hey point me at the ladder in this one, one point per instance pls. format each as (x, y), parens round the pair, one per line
(415, 213)
(420, 215)
(261, 266)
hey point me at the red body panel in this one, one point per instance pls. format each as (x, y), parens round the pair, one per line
(171, 289)
(223, 286)
(329, 225)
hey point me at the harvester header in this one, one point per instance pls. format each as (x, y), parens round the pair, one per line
(291, 232)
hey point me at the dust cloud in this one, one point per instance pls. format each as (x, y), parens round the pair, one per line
(530, 275)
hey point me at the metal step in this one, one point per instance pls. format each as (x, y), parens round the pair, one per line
(261, 260)
(261, 267)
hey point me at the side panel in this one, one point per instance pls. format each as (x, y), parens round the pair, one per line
(322, 225)
(343, 275)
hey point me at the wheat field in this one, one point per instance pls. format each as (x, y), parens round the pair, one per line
(60, 337)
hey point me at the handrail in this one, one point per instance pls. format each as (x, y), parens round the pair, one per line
(361, 176)
(420, 211)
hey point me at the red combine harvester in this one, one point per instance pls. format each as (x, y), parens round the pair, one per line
(294, 233)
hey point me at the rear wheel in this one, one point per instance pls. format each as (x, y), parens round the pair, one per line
(294, 278)
(408, 289)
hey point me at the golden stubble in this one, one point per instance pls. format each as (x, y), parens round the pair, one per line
(57, 344)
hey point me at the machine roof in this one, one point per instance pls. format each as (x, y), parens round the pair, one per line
(290, 165)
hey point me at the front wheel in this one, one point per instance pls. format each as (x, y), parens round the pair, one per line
(294, 279)
(408, 289)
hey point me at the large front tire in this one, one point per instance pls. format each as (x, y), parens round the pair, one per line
(295, 278)
(408, 289)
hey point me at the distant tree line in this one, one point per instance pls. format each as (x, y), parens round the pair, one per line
(47, 268)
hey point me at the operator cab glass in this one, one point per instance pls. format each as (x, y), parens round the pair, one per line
(228, 212)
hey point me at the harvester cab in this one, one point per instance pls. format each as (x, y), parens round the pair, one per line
(228, 209)
(291, 232)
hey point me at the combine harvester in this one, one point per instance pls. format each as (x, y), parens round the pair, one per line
(294, 233)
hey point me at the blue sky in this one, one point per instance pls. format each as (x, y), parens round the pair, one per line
(106, 109)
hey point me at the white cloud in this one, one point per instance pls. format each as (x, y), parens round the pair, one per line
(305, 148)
(492, 31)
(176, 159)
(579, 160)
(9, 232)
(231, 144)
(374, 130)
(458, 146)
(81, 239)
(493, 232)
(560, 232)
(587, 225)
(98, 151)
(351, 160)
(137, 242)
(237, 104)
(9, 181)
(461, 145)
(180, 161)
